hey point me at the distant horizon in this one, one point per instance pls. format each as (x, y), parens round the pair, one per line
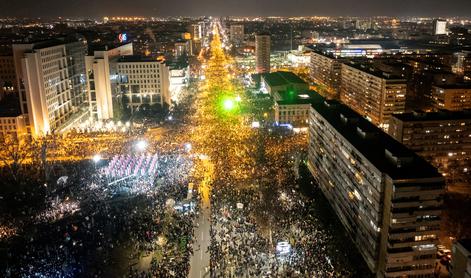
(233, 16)
(240, 8)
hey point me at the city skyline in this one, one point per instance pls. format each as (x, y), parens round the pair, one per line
(86, 8)
(141, 145)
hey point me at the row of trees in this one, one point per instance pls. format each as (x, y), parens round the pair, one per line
(24, 171)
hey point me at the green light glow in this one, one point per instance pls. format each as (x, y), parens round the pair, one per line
(228, 104)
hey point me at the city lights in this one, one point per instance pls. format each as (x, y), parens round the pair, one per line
(96, 158)
(141, 145)
(188, 147)
(234, 146)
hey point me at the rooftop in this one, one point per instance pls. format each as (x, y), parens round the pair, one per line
(371, 69)
(443, 115)
(280, 78)
(388, 155)
(137, 58)
(104, 46)
(41, 44)
(292, 97)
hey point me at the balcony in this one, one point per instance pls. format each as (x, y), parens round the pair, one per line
(410, 262)
(412, 223)
(399, 235)
(411, 242)
(402, 215)
(411, 193)
(435, 203)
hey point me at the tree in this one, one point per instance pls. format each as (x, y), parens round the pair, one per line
(14, 154)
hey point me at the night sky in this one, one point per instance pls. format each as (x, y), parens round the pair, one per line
(98, 8)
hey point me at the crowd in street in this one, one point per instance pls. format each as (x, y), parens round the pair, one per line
(131, 213)
(243, 247)
(88, 230)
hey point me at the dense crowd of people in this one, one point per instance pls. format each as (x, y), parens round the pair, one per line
(88, 230)
(132, 213)
(243, 247)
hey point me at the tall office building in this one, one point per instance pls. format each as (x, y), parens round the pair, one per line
(387, 197)
(262, 53)
(452, 97)
(326, 70)
(51, 81)
(439, 27)
(102, 78)
(143, 80)
(441, 138)
(372, 93)
(237, 34)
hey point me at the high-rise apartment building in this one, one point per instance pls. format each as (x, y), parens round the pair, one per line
(143, 80)
(237, 34)
(372, 93)
(387, 197)
(442, 138)
(452, 97)
(262, 53)
(326, 70)
(51, 81)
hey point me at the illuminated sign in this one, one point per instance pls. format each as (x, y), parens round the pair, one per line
(122, 37)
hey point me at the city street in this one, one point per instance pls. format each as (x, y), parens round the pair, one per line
(199, 261)
(204, 193)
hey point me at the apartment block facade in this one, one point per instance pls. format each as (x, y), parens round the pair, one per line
(51, 82)
(372, 93)
(326, 70)
(442, 138)
(452, 97)
(143, 81)
(388, 198)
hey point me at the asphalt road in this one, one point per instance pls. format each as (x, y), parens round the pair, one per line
(199, 261)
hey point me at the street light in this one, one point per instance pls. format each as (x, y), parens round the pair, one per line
(187, 147)
(141, 145)
(96, 158)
